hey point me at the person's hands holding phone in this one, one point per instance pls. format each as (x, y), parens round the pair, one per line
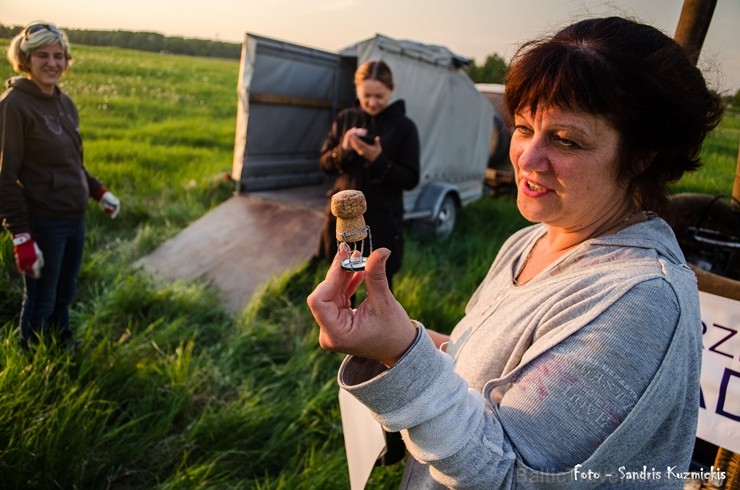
(363, 143)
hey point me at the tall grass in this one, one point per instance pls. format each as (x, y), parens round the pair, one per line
(168, 390)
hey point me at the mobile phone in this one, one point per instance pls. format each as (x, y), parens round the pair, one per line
(368, 138)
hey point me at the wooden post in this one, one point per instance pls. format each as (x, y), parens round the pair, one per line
(691, 30)
(693, 25)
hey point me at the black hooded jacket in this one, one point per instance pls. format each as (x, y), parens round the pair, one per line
(382, 181)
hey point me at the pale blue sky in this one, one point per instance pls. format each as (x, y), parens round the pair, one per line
(472, 28)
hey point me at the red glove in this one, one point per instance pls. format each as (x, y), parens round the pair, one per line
(28, 256)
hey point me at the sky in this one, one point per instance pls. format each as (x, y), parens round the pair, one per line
(470, 28)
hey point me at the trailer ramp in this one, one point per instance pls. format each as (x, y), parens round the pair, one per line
(243, 243)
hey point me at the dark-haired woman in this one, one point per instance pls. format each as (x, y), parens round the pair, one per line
(577, 361)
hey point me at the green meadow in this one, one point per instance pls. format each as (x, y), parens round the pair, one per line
(168, 390)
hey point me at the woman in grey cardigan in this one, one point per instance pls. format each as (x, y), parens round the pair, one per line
(577, 362)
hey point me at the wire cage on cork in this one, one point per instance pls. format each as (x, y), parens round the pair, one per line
(349, 207)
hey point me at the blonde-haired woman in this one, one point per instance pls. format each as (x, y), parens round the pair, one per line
(44, 186)
(373, 147)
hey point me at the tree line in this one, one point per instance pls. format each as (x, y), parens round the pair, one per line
(144, 41)
(491, 71)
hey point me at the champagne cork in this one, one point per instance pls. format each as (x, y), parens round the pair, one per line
(349, 207)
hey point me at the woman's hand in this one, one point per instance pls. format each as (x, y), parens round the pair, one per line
(379, 329)
(353, 141)
(347, 138)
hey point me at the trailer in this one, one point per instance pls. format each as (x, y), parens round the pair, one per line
(500, 171)
(289, 95)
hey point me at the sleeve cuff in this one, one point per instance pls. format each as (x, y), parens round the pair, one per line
(99, 193)
(384, 389)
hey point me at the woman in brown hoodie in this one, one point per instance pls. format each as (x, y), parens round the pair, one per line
(44, 186)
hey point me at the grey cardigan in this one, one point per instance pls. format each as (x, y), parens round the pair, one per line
(585, 376)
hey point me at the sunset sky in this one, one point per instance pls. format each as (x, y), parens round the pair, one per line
(471, 28)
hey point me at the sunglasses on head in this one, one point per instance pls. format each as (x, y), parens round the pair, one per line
(34, 28)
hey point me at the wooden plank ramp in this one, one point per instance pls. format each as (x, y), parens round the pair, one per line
(243, 243)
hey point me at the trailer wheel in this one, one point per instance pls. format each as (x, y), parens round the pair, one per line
(439, 226)
(446, 218)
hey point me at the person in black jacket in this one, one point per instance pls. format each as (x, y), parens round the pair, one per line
(44, 186)
(373, 147)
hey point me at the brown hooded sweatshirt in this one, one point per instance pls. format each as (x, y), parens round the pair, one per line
(41, 166)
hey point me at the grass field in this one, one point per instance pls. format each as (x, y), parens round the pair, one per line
(168, 390)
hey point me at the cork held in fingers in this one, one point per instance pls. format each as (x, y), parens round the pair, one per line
(348, 207)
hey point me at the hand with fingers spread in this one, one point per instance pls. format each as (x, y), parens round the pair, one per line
(379, 329)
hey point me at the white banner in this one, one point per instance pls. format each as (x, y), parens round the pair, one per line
(719, 415)
(363, 439)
